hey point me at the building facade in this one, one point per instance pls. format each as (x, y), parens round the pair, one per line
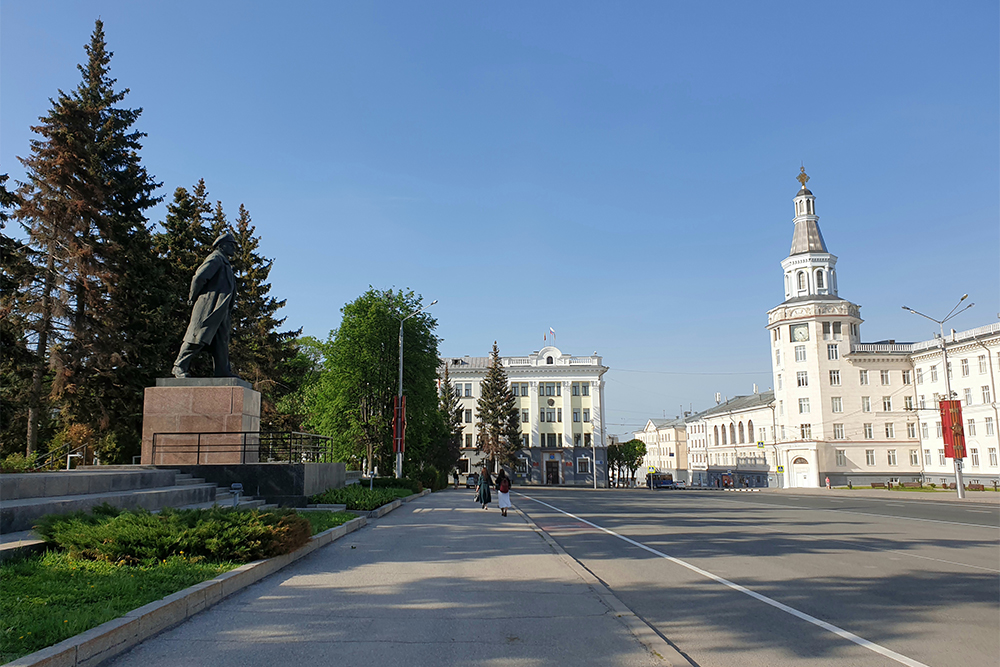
(560, 398)
(733, 444)
(666, 448)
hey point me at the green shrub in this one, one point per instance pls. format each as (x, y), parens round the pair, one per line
(360, 498)
(932, 485)
(413, 485)
(216, 535)
(428, 477)
(17, 463)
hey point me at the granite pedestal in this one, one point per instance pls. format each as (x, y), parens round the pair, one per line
(200, 421)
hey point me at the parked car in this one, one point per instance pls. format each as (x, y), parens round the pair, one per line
(472, 480)
(680, 484)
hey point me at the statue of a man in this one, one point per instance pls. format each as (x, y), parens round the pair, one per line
(213, 295)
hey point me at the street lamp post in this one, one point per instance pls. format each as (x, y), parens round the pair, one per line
(400, 418)
(959, 482)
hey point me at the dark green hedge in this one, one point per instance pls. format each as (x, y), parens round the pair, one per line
(216, 535)
(361, 498)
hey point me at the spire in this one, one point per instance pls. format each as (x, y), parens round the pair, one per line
(807, 236)
(809, 267)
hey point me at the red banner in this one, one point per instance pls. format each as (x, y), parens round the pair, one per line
(399, 424)
(951, 429)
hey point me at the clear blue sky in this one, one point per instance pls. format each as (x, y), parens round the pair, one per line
(620, 172)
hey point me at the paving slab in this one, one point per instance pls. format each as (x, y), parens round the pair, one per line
(439, 581)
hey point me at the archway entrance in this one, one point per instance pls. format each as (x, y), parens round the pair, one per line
(800, 472)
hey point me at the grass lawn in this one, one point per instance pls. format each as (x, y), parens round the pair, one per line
(51, 597)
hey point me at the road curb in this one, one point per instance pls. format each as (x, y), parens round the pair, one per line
(641, 630)
(90, 648)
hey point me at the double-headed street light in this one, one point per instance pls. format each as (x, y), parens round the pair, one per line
(400, 415)
(959, 482)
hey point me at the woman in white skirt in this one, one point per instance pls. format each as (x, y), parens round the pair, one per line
(503, 490)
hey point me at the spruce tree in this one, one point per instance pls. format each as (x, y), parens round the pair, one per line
(85, 202)
(259, 352)
(498, 424)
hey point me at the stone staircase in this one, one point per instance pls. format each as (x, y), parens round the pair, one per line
(25, 498)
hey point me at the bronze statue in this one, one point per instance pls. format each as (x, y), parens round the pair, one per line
(213, 295)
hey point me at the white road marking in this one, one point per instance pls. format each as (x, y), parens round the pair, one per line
(840, 632)
(980, 511)
(940, 560)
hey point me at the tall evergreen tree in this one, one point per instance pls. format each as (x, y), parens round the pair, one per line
(498, 423)
(451, 415)
(259, 353)
(85, 202)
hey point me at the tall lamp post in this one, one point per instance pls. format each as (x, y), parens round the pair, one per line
(400, 418)
(959, 482)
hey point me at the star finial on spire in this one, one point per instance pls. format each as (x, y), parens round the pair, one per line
(802, 178)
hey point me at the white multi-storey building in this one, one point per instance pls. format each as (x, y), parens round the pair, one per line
(666, 448)
(561, 401)
(733, 444)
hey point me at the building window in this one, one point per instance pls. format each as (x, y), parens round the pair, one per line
(864, 376)
(541, 415)
(920, 376)
(841, 458)
(550, 415)
(514, 389)
(586, 440)
(468, 389)
(890, 430)
(780, 384)
(982, 364)
(819, 282)
(938, 424)
(923, 431)
(887, 404)
(965, 368)
(942, 459)
(803, 406)
(525, 440)
(576, 415)
(468, 440)
(802, 378)
(968, 396)
(989, 426)
(970, 427)
(907, 377)
(927, 457)
(838, 431)
(993, 456)
(975, 457)
(576, 388)
(923, 404)
(777, 357)
(525, 417)
(869, 434)
(907, 402)
(800, 353)
(866, 404)
(934, 373)
(559, 414)
(549, 360)
(806, 431)
(576, 439)
(914, 458)
(586, 415)
(802, 280)
(986, 394)
(584, 389)
(834, 378)
(870, 457)
(468, 416)
(891, 457)
(521, 466)
(911, 430)
(884, 377)
(781, 413)
(837, 404)
(833, 352)
(583, 466)
(950, 376)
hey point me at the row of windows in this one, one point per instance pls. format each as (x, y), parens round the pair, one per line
(915, 458)
(555, 415)
(545, 440)
(831, 331)
(548, 388)
(802, 379)
(582, 466)
(966, 369)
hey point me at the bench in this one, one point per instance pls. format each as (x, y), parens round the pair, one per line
(878, 485)
(975, 487)
(912, 485)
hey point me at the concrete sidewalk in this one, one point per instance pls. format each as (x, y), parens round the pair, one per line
(439, 581)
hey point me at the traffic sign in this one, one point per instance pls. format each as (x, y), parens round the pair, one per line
(781, 468)
(760, 444)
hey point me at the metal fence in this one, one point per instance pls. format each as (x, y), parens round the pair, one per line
(240, 447)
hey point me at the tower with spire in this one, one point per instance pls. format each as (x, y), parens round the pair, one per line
(811, 334)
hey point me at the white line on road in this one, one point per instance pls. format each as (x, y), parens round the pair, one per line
(980, 511)
(850, 636)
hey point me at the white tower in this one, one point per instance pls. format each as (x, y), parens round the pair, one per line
(812, 332)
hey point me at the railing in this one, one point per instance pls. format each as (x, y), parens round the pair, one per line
(241, 447)
(518, 361)
(986, 330)
(899, 348)
(67, 451)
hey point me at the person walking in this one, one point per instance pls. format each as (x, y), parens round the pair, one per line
(483, 489)
(503, 491)
(828, 483)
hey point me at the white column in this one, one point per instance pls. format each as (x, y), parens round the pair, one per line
(533, 413)
(567, 414)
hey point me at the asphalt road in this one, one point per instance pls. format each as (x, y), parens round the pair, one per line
(767, 579)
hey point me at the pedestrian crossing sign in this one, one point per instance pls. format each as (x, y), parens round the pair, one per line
(781, 468)
(760, 444)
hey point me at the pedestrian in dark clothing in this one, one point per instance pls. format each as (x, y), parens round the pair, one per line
(483, 490)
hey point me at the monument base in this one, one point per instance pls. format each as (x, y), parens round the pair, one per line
(200, 421)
